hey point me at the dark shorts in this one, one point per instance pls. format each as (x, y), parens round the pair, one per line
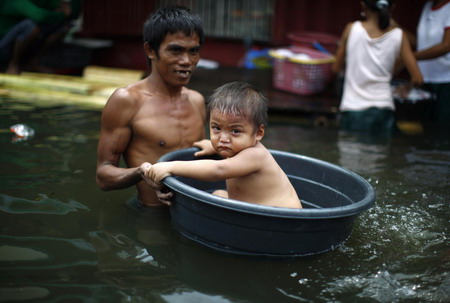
(374, 120)
(439, 112)
(135, 205)
(19, 32)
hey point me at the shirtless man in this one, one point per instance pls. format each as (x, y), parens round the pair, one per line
(158, 114)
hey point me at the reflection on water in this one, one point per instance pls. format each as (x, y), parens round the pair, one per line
(64, 240)
(43, 205)
(361, 157)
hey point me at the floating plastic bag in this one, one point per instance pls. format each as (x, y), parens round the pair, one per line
(22, 132)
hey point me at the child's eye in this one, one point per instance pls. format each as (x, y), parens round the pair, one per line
(236, 131)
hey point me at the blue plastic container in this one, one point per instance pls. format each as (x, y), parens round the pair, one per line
(332, 197)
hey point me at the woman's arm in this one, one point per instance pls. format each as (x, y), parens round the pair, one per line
(410, 62)
(341, 50)
(436, 50)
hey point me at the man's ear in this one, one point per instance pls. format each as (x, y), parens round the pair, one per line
(260, 132)
(149, 52)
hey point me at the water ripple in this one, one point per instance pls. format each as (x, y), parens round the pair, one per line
(44, 205)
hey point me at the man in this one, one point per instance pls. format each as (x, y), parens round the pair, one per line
(158, 114)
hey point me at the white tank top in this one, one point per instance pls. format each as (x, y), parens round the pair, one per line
(369, 67)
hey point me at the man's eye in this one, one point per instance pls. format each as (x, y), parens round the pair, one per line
(194, 51)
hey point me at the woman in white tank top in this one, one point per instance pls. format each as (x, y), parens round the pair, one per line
(370, 49)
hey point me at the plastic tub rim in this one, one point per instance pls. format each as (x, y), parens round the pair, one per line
(271, 211)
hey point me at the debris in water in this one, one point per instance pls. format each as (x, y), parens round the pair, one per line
(22, 132)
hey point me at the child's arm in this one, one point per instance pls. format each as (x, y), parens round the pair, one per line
(240, 165)
(410, 62)
(436, 50)
(340, 52)
(206, 148)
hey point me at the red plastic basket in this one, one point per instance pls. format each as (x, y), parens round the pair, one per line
(302, 76)
(308, 39)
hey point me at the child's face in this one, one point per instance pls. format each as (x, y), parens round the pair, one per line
(232, 133)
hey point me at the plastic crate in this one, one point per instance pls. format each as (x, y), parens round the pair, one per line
(303, 76)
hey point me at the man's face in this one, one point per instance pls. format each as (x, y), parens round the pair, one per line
(178, 57)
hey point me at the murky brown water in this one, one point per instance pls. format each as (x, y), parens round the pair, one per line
(62, 239)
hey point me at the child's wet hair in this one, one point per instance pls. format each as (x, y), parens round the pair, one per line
(240, 98)
(383, 7)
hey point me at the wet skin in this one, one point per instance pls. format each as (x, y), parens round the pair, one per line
(147, 119)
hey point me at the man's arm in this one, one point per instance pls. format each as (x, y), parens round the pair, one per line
(115, 135)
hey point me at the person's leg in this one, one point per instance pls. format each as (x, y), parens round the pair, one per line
(353, 121)
(381, 120)
(441, 115)
(369, 120)
(16, 42)
(50, 36)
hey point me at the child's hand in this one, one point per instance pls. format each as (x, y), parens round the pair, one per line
(144, 171)
(206, 148)
(158, 172)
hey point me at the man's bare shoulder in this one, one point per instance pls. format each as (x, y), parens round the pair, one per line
(194, 96)
(127, 95)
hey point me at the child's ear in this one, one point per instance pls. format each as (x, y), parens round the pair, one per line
(260, 132)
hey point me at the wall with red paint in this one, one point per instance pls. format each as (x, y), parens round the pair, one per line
(121, 21)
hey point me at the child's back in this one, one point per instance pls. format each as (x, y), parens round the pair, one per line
(267, 185)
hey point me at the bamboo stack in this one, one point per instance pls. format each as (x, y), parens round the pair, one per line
(92, 90)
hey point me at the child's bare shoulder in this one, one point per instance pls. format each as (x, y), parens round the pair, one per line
(257, 150)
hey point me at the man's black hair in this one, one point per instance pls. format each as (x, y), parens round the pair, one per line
(171, 20)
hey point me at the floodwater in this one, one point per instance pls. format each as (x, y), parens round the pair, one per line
(62, 239)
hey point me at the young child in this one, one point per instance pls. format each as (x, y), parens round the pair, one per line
(371, 49)
(238, 117)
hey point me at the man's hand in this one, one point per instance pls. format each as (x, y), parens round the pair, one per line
(163, 193)
(206, 148)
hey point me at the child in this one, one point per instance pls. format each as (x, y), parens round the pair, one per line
(238, 117)
(371, 49)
